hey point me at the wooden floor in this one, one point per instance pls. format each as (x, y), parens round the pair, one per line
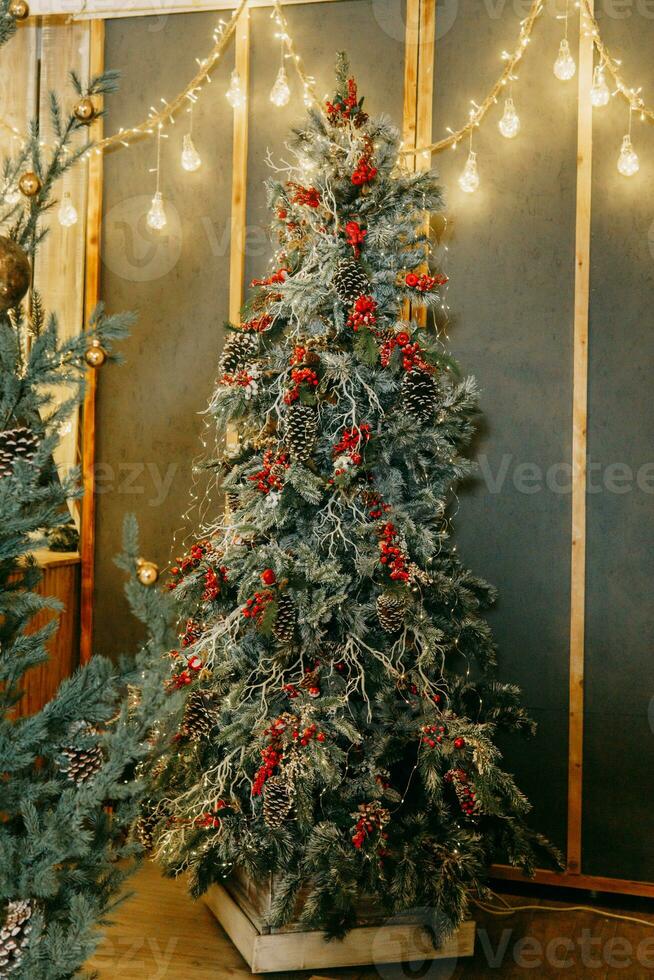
(161, 934)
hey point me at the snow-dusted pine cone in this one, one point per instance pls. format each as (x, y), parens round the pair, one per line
(14, 934)
(350, 281)
(144, 827)
(200, 715)
(420, 395)
(82, 763)
(16, 444)
(300, 428)
(240, 350)
(284, 626)
(390, 612)
(277, 802)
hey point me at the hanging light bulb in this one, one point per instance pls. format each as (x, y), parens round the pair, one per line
(191, 159)
(599, 93)
(469, 179)
(564, 66)
(67, 214)
(509, 124)
(156, 218)
(280, 92)
(306, 96)
(235, 94)
(628, 162)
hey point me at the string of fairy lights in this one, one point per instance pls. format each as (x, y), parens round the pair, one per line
(607, 69)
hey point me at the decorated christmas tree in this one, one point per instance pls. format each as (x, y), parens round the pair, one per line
(68, 790)
(342, 706)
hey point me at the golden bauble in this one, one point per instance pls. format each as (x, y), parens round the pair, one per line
(15, 274)
(29, 184)
(95, 355)
(19, 9)
(146, 572)
(84, 110)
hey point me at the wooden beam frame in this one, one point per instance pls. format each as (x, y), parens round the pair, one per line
(238, 217)
(91, 298)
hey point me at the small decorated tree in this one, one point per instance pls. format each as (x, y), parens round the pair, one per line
(340, 724)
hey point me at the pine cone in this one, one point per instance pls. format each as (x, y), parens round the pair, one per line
(390, 612)
(239, 351)
(200, 715)
(145, 826)
(419, 392)
(284, 626)
(277, 802)
(14, 934)
(350, 281)
(16, 444)
(301, 426)
(81, 764)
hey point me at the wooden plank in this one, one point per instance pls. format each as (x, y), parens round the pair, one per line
(94, 9)
(91, 297)
(410, 100)
(239, 172)
(59, 271)
(579, 452)
(424, 108)
(386, 943)
(568, 879)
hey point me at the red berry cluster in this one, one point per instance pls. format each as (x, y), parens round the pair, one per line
(299, 377)
(214, 579)
(270, 477)
(276, 277)
(258, 324)
(372, 818)
(298, 356)
(271, 757)
(465, 791)
(309, 196)
(356, 236)
(392, 556)
(351, 442)
(411, 353)
(308, 735)
(346, 107)
(189, 563)
(375, 504)
(256, 605)
(363, 313)
(423, 282)
(437, 731)
(365, 172)
(240, 379)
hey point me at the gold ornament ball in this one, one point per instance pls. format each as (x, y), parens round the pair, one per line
(19, 9)
(29, 184)
(15, 274)
(146, 572)
(95, 355)
(84, 110)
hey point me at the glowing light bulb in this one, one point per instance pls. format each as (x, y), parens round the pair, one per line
(564, 66)
(628, 162)
(12, 195)
(156, 218)
(599, 93)
(306, 97)
(191, 159)
(280, 92)
(235, 94)
(67, 215)
(469, 179)
(509, 124)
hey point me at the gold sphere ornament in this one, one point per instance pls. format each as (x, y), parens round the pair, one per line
(15, 274)
(84, 110)
(146, 572)
(29, 184)
(19, 9)
(95, 355)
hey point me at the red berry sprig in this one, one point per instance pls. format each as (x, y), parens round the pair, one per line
(257, 604)
(214, 579)
(391, 555)
(423, 282)
(432, 735)
(350, 445)
(309, 733)
(188, 563)
(308, 196)
(371, 820)
(365, 173)
(356, 236)
(258, 324)
(299, 377)
(412, 354)
(276, 277)
(270, 477)
(363, 313)
(465, 791)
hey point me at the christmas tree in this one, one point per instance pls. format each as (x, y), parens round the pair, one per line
(340, 727)
(68, 791)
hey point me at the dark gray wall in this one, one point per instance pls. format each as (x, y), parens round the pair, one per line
(511, 263)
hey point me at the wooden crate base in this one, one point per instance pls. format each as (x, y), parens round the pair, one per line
(388, 942)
